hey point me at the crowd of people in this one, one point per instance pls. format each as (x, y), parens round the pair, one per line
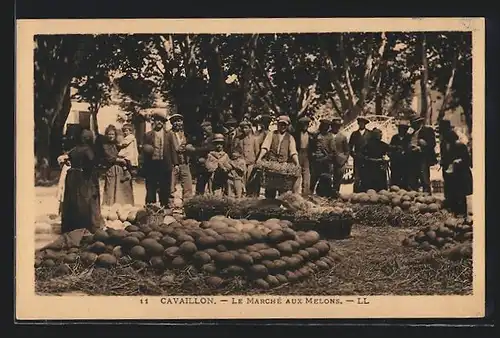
(225, 163)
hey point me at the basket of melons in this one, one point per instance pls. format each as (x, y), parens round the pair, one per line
(279, 176)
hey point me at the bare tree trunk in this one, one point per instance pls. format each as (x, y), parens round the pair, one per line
(424, 79)
(249, 64)
(447, 94)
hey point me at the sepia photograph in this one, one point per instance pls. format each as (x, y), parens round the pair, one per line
(331, 168)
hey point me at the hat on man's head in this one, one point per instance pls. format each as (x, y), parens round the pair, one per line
(402, 123)
(304, 119)
(362, 119)
(159, 115)
(445, 124)
(175, 117)
(245, 123)
(206, 124)
(416, 119)
(284, 119)
(218, 138)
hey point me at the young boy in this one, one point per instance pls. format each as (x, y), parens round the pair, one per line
(235, 184)
(218, 165)
(128, 150)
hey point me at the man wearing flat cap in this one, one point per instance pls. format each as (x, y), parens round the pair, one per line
(304, 139)
(159, 160)
(279, 146)
(422, 154)
(359, 139)
(323, 152)
(246, 144)
(398, 153)
(341, 152)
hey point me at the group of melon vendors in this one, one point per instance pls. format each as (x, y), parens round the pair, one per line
(226, 161)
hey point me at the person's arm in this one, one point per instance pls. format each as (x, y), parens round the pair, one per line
(265, 146)
(352, 140)
(293, 150)
(110, 155)
(463, 159)
(256, 147)
(211, 163)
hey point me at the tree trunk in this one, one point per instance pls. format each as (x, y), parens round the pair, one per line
(245, 82)
(424, 79)
(447, 94)
(214, 65)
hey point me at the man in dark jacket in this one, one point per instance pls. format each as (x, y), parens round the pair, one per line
(357, 142)
(398, 153)
(457, 174)
(200, 155)
(158, 149)
(323, 153)
(303, 139)
(422, 154)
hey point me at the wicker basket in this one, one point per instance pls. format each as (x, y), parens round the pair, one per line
(278, 181)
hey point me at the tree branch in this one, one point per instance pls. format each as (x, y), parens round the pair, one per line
(449, 87)
(350, 90)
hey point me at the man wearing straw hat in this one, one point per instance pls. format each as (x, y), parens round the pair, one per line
(422, 154)
(279, 146)
(399, 146)
(341, 152)
(358, 140)
(158, 150)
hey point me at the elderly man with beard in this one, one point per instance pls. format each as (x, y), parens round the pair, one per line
(279, 146)
(158, 149)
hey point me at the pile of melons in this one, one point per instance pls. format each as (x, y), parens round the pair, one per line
(398, 199)
(442, 235)
(266, 254)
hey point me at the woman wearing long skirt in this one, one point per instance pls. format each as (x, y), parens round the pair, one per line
(117, 186)
(81, 203)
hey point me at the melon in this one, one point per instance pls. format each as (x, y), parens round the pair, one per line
(214, 281)
(157, 263)
(106, 260)
(138, 252)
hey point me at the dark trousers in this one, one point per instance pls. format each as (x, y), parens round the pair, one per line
(338, 173)
(306, 171)
(202, 178)
(357, 169)
(455, 199)
(158, 180)
(419, 173)
(399, 174)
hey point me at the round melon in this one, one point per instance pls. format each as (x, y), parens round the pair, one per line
(138, 252)
(106, 260)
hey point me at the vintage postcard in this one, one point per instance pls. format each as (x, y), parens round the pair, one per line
(250, 168)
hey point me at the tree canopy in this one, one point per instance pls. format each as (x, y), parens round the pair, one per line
(207, 77)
